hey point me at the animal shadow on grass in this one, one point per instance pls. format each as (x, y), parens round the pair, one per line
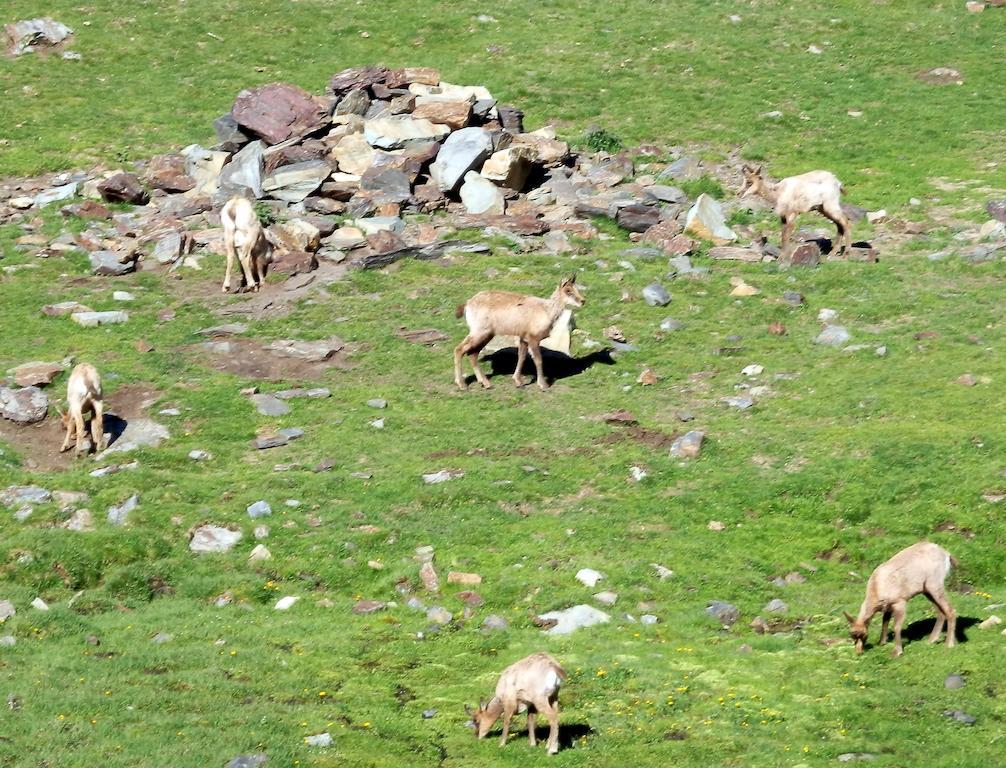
(557, 365)
(824, 243)
(114, 427)
(919, 630)
(568, 734)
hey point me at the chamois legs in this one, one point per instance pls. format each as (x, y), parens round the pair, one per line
(532, 740)
(538, 366)
(898, 611)
(518, 373)
(98, 426)
(471, 345)
(843, 240)
(944, 611)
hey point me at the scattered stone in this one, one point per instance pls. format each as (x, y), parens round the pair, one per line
(638, 218)
(259, 554)
(295, 182)
(742, 289)
(39, 604)
(123, 188)
(960, 716)
(735, 253)
(200, 455)
(606, 597)
(741, 402)
(259, 509)
(776, 606)
(688, 446)
(264, 443)
(649, 619)
(571, 619)
(997, 209)
(364, 607)
(850, 757)
(806, 255)
(655, 295)
(716, 525)
(377, 402)
(119, 514)
(286, 603)
(27, 405)
(479, 195)
(212, 538)
(319, 740)
(139, 433)
(495, 623)
(309, 351)
(670, 324)
(443, 476)
(7, 610)
(269, 405)
(466, 579)
(637, 474)
(991, 621)
(967, 380)
(278, 111)
(248, 761)
(401, 132)
(439, 616)
(588, 577)
(662, 572)
(94, 319)
(833, 336)
(705, 219)
(725, 613)
(109, 263)
(953, 682)
(8, 641)
(463, 151)
(81, 521)
(509, 167)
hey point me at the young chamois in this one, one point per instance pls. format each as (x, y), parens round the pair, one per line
(499, 313)
(245, 239)
(815, 191)
(530, 684)
(83, 395)
(920, 569)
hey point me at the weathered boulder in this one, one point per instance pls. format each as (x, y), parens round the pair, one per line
(356, 78)
(62, 192)
(806, 255)
(94, 319)
(734, 253)
(663, 234)
(480, 195)
(705, 219)
(278, 111)
(463, 151)
(296, 235)
(665, 194)
(548, 150)
(25, 36)
(355, 102)
(203, 166)
(293, 263)
(212, 538)
(689, 445)
(997, 209)
(403, 78)
(35, 373)
(27, 405)
(509, 167)
(353, 154)
(295, 182)
(139, 433)
(571, 619)
(397, 132)
(454, 114)
(638, 218)
(244, 172)
(110, 263)
(167, 172)
(123, 188)
(311, 351)
(392, 184)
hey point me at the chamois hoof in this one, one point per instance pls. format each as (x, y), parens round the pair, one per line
(896, 652)
(518, 382)
(461, 385)
(64, 449)
(487, 385)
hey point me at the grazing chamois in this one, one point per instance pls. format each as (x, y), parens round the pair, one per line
(499, 313)
(83, 395)
(920, 569)
(245, 239)
(814, 191)
(530, 684)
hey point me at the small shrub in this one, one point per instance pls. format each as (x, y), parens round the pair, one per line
(706, 184)
(265, 212)
(600, 140)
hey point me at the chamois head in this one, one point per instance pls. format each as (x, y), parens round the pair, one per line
(567, 291)
(754, 181)
(857, 631)
(481, 719)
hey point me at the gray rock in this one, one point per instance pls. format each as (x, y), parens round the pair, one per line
(355, 102)
(953, 682)
(94, 319)
(23, 514)
(444, 475)
(495, 623)
(264, 443)
(8, 641)
(851, 757)
(655, 295)
(113, 469)
(248, 761)
(741, 402)
(833, 336)
(291, 433)
(571, 619)
(689, 445)
(161, 638)
(27, 405)
(81, 521)
(319, 740)
(429, 713)
(793, 298)
(643, 254)
(997, 209)
(62, 192)
(139, 433)
(682, 265)
(259, 509)
(109, 264)
(294, 182)
(960, 716)
(311, 351)
(665, 194)
(670, 324)
(7, 610)
(649, 619)
(377, 402)
(683, 169)
(480, 195)
(168, 249)
(776, 606)
(392, 184)
(268, 405)
(439, 615)
(25, 36)
(415, 604)
(705, 219)
(212, 538)
(228, 131)
(200, 455)
(119, 514)
(606, 598)
(244, 172)
(399, 132)
(725, 613)
(463, 151)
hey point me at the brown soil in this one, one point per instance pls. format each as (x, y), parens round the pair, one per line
(250, 360)
(653, 438)
(38, 444)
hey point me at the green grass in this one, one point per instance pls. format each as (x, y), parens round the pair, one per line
(846, 461)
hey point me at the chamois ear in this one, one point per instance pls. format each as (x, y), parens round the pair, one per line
(468, 711)
(848, 617)
(757, 170)
(572, 279)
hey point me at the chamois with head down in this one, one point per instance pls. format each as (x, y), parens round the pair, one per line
(817, 191)
(920, 569)
(500, 313)
(530, 684)
(246, 240)
(83, 395)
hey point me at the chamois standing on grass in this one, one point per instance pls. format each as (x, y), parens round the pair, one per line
(245, 239)
(499, 313)
(83, 395)
(814, 191)
(920, 569)
(530, 684)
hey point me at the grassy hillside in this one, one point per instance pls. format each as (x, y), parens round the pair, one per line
(845, 458)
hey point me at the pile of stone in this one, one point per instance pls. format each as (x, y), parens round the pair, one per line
(341, 173)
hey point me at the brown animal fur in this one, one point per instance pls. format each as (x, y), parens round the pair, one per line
(920, 569)
(531, 683)
(814, 191)
(499, 313)
(246, 240)
(83, 395)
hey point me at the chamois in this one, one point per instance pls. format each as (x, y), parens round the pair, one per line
(83, 395)
(530, 684)
(920, 569)
(499, 313)
(814, 191)
(245, 239)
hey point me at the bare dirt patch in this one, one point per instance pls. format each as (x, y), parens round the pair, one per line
(38, 444)
(248, 359)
